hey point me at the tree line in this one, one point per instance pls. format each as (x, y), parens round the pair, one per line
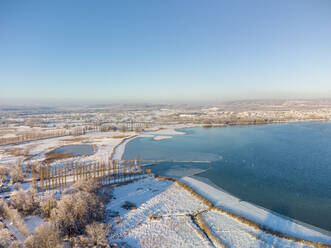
(30, 136)
(57, 178)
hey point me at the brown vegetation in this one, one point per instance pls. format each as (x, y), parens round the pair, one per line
(52, 156)
(138, 129)
(47, 205)
(155, 217)
(205, 228)
(6, 237)
(75, 211)
(16, 173)
(29, 136)
(75, 216)
(19, 152)
(14, 217)
(119, 136)
(75, 139)
(97, 234)
(14, 151)
(25, 202)
(94, 146)
(43, 237)
(90, 186)
(107, 128)
(4, 172)
(123, 129)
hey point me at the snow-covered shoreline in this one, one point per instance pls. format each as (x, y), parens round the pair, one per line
(161, 134)
(285, 225)
(118, 150)
(167, 213)
(164, 205)
(234, 205)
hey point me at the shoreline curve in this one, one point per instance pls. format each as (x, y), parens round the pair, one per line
(244, 211)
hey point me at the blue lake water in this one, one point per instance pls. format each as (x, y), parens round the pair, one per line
(75, 150)
(282, 167)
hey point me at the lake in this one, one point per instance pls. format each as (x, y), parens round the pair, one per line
(75, 150)
(282, 167)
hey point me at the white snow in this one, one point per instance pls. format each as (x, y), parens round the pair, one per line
(162, 137)
(146, 135)
(156, 135)
(32, 222)
(173, 206)
(14, 231)
(119, 151)
(228, 202)
(167, 131)
(170, 231)
(236, 234)
(8, 159)
(158, 198)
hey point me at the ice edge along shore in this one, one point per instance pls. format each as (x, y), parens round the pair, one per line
(232, 204)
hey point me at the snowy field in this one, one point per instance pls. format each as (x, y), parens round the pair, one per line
(105, 143)
(162, 214)
(164, 200)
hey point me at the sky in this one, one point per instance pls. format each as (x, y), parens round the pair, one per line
(164, 50)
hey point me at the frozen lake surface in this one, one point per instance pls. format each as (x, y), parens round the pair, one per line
(75, 150)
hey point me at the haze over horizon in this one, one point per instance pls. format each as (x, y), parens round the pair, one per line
(164, 51)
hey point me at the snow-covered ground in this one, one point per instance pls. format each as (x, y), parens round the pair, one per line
(168, 131)
(12, 228)
(165, 211)
(105, 143)
(228, 202)
(155, 198)
(233, 233)
(31, 222)
(160, 137)
(120, 148)
(262, 216)
(162, 216)
(155, 134)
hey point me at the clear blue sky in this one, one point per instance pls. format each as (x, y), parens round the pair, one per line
(164, 50)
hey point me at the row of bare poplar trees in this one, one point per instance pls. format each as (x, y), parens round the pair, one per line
(57, 178)
(29, 136)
